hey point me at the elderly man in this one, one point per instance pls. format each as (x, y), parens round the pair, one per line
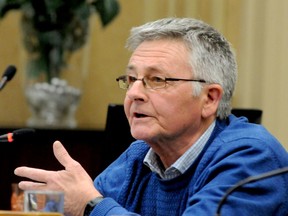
(190, 150)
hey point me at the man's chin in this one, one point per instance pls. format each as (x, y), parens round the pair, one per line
(140, 134)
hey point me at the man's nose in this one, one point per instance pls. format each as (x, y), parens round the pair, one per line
(137, 90)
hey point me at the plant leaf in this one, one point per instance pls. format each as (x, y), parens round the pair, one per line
(107, 10)
(7, 5)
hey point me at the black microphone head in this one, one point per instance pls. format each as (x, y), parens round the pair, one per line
(9, 72)
(22, 133)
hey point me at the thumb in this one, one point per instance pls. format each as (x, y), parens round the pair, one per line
(62, 155)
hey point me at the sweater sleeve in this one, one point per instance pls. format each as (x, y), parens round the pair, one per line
(114, 180)
(109, 206)
(109, 184)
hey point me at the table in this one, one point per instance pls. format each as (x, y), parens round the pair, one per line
(15, 213)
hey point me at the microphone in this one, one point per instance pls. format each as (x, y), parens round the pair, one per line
(7, 75)
(246, 181)
(20, 133)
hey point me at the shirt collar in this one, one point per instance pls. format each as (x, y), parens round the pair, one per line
(153, 161)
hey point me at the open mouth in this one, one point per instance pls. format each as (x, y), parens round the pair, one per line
(140, 115)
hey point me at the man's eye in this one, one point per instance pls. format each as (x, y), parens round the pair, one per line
(157, 79)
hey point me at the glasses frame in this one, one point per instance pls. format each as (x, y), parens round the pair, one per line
(123, 77)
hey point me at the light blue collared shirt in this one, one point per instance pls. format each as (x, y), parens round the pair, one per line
(152, 160)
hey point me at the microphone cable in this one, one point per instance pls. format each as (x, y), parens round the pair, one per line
(246, 181)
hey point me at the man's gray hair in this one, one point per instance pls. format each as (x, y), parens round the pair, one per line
(211, 56)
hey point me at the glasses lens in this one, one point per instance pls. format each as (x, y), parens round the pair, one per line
(122, 82)
(155, 82)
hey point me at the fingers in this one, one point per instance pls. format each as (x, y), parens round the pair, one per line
(62, 155)
(28, 185)
(46, 176)
(39, 175)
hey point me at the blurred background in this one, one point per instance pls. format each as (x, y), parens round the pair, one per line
(257, 29)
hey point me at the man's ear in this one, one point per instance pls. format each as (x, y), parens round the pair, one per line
(213, 94)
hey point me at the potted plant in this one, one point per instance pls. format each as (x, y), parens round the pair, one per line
(52, 31)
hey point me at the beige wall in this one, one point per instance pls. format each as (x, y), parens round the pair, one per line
(257, 29)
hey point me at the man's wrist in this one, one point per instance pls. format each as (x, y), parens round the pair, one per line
(91, 205)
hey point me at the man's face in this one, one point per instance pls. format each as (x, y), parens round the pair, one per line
(168, 113)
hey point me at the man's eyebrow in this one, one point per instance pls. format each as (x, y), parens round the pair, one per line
(130, 67)
(150, 69)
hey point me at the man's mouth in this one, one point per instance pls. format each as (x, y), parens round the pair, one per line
(139, 115)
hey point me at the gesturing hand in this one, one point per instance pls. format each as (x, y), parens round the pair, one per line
(74, 181)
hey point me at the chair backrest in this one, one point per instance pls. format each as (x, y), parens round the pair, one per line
(253, 115)
(117, 132)
(117, 123)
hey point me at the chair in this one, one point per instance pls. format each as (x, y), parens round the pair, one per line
(117, 133)
(253, 115)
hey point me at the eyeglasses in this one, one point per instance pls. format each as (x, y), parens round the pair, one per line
(151, 82)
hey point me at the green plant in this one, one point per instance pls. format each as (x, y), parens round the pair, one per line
(54, 29)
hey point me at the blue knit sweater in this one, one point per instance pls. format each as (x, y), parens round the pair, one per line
(235, 150)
